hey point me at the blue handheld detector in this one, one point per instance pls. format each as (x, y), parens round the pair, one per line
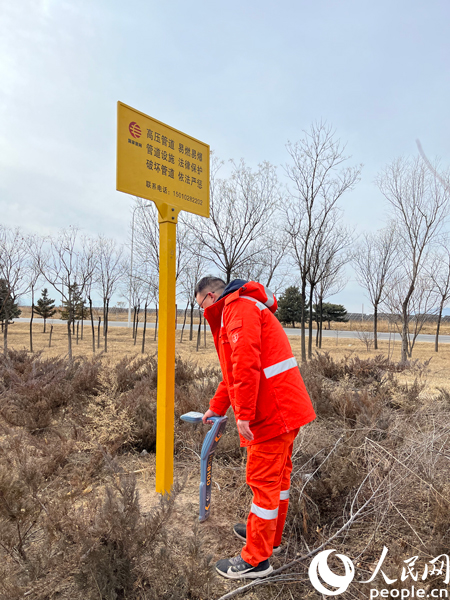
(192, 417)
(209, 445)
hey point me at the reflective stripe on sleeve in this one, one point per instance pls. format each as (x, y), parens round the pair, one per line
(259, 304)
(280, 367)
(284, 495)
(264, 513)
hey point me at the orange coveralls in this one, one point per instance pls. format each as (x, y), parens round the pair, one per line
(262, 382)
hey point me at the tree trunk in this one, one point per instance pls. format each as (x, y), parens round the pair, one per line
(50, 337)
(98, 332)
(92, 325)
(156, 324)
(404, 348)
(191, 329)
(375, 326)
(405, 325)
(5, 332)
(31, 320)
(204, 330)
(199, 332)
(436, 341)
(145, 327)
(137, 325)
(78, 330)
(303, 336)
(105, 323)
(310, 322)
(184, 323)
(69, 338)
(321, 321)
(134, 321)
(45, 321)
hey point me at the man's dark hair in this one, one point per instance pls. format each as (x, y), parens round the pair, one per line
(209, 282)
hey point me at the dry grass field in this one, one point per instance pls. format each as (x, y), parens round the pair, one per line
(121, 344)
(383, 325)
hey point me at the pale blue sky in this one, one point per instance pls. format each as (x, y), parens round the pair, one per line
(243, 77)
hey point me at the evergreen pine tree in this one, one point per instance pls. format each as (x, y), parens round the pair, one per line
(7, 305)
(332, 312)
(74, 307)
(290, 306)
(45, 307)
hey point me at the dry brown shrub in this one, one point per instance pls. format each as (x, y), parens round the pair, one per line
(33, 388)
(70, 521)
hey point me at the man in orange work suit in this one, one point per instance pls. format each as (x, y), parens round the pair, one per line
(262, 382)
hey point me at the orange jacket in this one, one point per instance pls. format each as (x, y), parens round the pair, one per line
(261, 379)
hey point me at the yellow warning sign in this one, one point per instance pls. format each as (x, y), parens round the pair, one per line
(159, 163)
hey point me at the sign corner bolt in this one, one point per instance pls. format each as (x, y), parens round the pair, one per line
(167, 213)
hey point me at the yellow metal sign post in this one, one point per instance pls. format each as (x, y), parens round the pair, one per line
(170, 168)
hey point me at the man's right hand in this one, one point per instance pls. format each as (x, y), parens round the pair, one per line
(209, 413)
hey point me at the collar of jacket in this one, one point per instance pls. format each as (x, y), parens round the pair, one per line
(213, 313)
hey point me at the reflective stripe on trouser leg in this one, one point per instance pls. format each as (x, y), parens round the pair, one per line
(264, 513)
(266, 464)
(284, 495)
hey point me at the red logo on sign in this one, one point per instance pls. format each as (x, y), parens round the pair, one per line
(135, 130)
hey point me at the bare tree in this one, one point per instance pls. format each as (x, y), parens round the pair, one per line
(191, 274)
(110, 270)
(60, 267)
(86, 272)
(439, 272)
(15, 267)
(331, 278)
(145, 289)
(269, 265)
(241, 211)
(419, 204)
(327, 261)
(146, 239)
(422, 302)
(319, 180)
(375, 261)
(35, 244)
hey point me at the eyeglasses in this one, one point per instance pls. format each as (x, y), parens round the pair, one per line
(200, 306)
(201, 303)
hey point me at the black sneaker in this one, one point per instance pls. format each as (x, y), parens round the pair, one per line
(240, 531)
(237, 568)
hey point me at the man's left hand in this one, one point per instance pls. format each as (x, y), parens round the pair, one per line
(244, 430)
